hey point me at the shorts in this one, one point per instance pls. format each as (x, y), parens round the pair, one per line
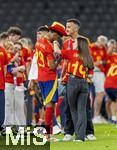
(98, 80)
(49, 91)
(112, 93)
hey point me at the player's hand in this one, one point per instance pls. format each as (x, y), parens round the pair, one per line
(14, 71)
(56, 47)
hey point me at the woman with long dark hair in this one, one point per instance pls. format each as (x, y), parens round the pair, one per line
(79, 64)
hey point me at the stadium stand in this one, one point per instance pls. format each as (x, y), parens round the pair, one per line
(97, 17)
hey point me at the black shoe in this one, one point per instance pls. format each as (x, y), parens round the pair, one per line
(1, 128)
(2, 131)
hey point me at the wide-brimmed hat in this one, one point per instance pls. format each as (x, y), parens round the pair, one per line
(59, 28)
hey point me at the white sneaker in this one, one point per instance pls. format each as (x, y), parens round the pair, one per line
(103, 120)
(80, 141)
(33, 122)
(56, 130)
(91, 137)
(67, 137)
(97, 120)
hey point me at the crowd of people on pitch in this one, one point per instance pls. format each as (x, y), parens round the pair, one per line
(63, 75)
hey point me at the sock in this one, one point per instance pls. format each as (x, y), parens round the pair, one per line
(48, 119)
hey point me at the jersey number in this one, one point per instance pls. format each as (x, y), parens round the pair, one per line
(75, 67)
(41, 58)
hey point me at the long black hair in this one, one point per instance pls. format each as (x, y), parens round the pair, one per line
(83, 47)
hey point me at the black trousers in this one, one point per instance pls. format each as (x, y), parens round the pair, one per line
(69, 126)
(90, 127)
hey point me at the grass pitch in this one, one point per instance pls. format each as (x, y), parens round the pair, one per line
(106, 140)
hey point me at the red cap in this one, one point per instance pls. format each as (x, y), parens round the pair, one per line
(59, 28)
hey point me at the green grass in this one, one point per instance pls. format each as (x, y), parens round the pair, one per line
(106, 140)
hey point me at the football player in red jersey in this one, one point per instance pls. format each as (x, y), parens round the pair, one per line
(111, 107)
(111, 79)
(14, 89)
(41, 32)
(98, 51)
(111, 90)
(3, 63)
(47, 76)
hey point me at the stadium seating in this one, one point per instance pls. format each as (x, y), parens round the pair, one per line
(97, 17)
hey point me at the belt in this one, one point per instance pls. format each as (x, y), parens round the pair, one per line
(76, 77)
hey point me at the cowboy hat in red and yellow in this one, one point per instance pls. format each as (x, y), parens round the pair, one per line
(59, 28)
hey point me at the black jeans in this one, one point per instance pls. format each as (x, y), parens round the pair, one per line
(90, 127)
(69, 126)
(77, 91)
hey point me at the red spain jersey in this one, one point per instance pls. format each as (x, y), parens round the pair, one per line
(68, 44)
(110, 60)
(98, 54)
(44, 51)
(9, 77)
(22, 76)
(3, 62)
(111, 79)
(75, 63)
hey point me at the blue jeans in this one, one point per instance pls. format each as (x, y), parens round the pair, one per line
(2, 107)
(77, 91)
